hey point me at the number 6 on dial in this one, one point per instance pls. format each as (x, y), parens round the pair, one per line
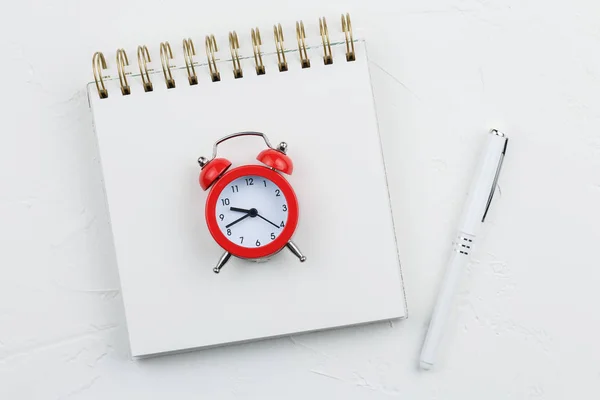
(251, 210)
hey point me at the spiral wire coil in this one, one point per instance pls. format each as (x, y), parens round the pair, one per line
(168, 63)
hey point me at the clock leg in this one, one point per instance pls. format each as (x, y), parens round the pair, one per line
(222, 261)
(294, 249)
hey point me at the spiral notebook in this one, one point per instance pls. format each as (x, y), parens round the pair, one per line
(156, 113)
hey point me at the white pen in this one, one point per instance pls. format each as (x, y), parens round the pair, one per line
(475, 210)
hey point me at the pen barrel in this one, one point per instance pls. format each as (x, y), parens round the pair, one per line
(480, 196)
(483, 184)
(443, 304)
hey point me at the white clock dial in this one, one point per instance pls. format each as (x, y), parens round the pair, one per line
(251, 211)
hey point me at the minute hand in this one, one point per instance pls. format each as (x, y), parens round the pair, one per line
(260, 216)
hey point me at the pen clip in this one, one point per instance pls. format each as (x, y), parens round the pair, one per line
(495, 183)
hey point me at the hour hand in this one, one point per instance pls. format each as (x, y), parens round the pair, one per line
(240, 210)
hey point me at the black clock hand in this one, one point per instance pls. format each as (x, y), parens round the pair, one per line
(240, 210)
(237, 220)
(276, 226)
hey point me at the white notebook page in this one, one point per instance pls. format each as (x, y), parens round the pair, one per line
(149, 144)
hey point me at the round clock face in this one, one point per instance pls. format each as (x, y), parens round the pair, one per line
(252, 211)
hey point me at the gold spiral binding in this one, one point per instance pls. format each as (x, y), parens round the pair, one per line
(301, 37)
(327, 57)
(188, 52)
(143, 56)
(165, 54)
(98, 64)
(256, 43)
(347, 28)
(281, 61)
(211, 48)
(122, 62)
(234, 45)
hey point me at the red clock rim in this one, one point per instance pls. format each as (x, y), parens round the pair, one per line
(249, 252)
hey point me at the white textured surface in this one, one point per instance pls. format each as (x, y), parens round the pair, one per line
(443, 71)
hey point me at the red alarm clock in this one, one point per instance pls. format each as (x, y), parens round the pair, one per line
(251, 210)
